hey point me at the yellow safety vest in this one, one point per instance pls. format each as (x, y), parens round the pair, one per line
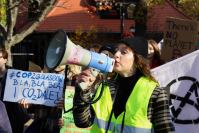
(135, 120)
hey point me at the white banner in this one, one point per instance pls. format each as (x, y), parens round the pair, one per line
(182, 76)
(36, 88)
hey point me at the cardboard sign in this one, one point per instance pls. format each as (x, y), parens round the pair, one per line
(36, 88)
(180, 38)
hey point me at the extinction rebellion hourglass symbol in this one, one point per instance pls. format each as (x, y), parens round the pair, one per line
(184, 100)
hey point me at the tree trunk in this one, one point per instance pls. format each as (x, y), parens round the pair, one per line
(140, 15)
(9, 62)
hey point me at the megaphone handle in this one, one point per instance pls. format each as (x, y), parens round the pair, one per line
(84, 85)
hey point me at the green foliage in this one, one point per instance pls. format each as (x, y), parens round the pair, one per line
(151, 3)
(3, 12)
(84, 39)
(190, 7)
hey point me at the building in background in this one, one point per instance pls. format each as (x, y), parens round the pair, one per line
(81, 16)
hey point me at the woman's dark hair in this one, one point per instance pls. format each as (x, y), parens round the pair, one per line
(156, 59)
(4, 53)
(156, 48)
(142, 65)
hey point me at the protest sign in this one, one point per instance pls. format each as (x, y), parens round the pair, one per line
(182, 77)
(180, 37)
(36, 88)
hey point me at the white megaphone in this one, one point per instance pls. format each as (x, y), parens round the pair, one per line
(62, 51)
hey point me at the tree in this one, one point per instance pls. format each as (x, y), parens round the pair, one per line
(140, 10)
(2, 18)
(125, 9)
(189, 7)
(85, 39)
(10, 10)
(140, 17)
(3, 12)
(140, 14)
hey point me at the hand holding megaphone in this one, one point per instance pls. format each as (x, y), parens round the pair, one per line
(86, 78)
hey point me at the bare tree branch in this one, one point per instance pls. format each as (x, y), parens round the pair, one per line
(12, 16)
(30, 26)
(15, 4)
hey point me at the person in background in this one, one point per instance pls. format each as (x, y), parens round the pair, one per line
(154, 54)
(5, 126)
(66, 121)
(108, 49)
(16, 113)
(46, 119)
(130, 33)
(138, 105)
(94, 48)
